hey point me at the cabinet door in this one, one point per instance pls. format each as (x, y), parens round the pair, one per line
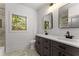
(72, 50)
(46, 42)
(46, 47)
(38, 45)
(55, 51)
(46, 51)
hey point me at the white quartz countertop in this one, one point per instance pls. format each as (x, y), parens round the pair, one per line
(72, 42)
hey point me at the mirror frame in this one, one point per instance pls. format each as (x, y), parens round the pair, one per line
(51, 20)
(59, 17)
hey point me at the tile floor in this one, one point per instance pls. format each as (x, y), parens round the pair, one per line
(30, 52)
(1, 50)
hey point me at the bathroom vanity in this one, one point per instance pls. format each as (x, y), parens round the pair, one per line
(48, 45)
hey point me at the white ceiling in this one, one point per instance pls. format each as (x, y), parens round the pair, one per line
(35, 5)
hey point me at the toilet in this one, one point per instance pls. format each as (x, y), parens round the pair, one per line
(32, 43)
(30, 48)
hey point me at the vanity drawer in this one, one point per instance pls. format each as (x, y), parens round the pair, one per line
(46, 42)
(54, 43)
(46, 51)
(58, 45)
(46, 47)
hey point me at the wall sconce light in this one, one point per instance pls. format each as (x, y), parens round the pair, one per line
(51, 4)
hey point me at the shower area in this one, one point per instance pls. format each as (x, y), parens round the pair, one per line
(2, 28)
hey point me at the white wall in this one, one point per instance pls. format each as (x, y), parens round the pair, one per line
(55, 31)
(19, 39)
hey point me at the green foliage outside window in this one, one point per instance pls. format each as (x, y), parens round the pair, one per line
(18, 22)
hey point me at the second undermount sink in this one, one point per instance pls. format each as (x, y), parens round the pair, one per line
(67, 39)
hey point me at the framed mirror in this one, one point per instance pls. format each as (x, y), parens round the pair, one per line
(69, 16)
(63, 16)
(48, 21)
(75, 22)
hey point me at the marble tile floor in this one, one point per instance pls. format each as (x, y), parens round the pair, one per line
(29, 52)
(1, 50)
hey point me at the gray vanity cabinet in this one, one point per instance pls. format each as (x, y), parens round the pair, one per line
(47, 47)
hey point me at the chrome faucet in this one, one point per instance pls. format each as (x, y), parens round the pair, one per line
(68, 35)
